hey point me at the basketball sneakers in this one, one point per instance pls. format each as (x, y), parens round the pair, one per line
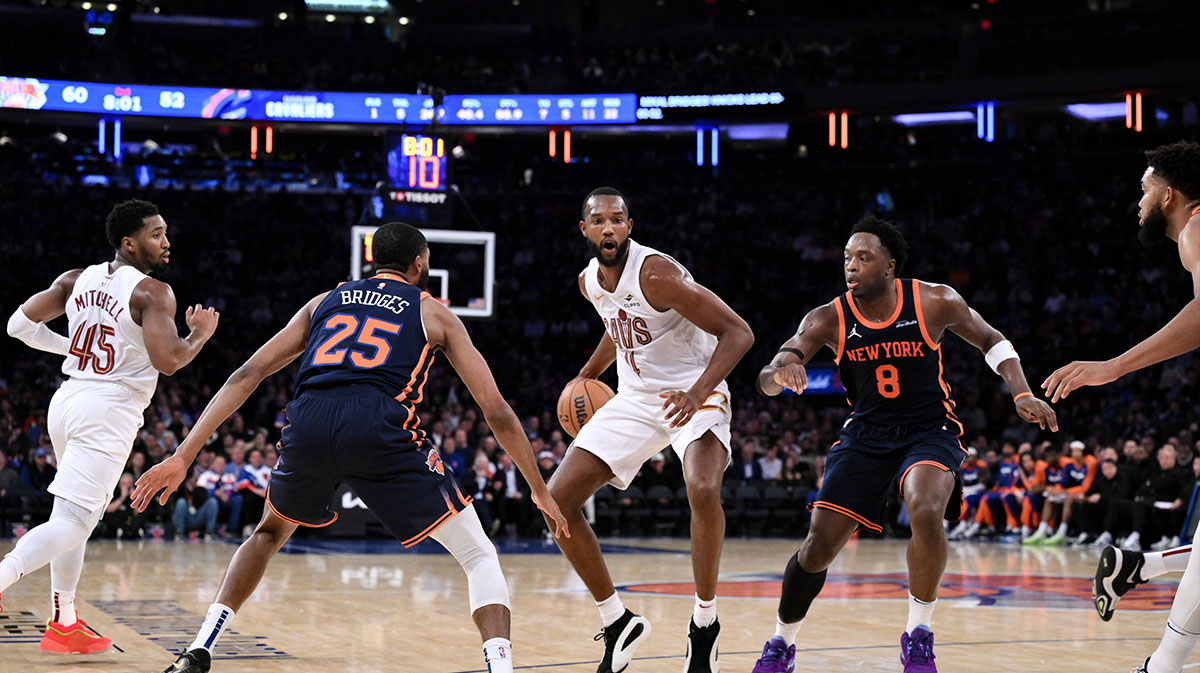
(621, 639)
(197, 660)
(1118, 572)
(777, 657)
(74, 639)
(1143, 668)
(702, 648)
(916, 651)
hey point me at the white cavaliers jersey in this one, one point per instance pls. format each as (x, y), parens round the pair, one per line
(656, 350)
(106, 344)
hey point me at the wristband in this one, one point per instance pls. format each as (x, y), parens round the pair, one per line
(795, 351)
(1024, 394)
(1001, 352)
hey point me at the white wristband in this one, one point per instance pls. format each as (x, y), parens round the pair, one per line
(1001, 352)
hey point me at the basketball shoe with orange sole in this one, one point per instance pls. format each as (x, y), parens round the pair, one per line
(74, 639)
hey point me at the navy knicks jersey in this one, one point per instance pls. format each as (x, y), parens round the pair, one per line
(892, 370)
(369, 332)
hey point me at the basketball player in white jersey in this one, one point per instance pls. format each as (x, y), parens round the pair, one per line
(674, 342)
(123, 333)
(1169, 211)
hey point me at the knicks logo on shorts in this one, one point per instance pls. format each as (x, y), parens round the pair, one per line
(434, 462)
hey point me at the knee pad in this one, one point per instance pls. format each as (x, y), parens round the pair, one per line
(81, 519)
(464, 538)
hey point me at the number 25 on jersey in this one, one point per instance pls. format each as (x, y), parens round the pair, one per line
(344, 324)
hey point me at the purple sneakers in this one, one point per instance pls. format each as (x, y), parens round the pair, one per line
(777, 657)
(916, 651)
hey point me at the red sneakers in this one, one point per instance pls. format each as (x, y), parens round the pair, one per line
(73, 639)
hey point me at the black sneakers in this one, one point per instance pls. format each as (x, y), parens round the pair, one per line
(702, 648)
(192, 661)
(621, 639)
(1116, 574)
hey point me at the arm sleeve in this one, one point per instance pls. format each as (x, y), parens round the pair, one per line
(36, 334)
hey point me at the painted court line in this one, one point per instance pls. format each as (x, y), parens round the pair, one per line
(831, 649)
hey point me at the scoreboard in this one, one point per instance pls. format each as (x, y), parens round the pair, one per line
(31, 93)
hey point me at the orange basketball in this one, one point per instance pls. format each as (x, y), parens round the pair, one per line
(579, 400)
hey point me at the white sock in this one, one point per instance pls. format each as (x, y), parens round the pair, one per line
(787, 631)
(63, 604)
(1173, 651)
(1062, 529)
(1162, 562)
(1043, 528)
(920, 613)
(497, 654)
(611, 609)
(705, 612)
(11, 570)
(215, 623)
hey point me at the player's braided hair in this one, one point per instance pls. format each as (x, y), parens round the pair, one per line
(888, 234)
(1178, 164)
(603, 191)
(396, 244)
(126, 219)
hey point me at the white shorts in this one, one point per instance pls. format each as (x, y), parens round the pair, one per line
(93, 426)
(632, 427)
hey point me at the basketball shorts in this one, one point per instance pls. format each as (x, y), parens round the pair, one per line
(632, 427)
(354, 434)
(868, 458)
(93, 425)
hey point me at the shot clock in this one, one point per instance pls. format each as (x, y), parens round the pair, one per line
(417, 162)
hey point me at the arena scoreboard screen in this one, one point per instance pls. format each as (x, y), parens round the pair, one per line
(418, 162)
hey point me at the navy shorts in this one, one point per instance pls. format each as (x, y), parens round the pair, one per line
(868, 458)
(353, 434)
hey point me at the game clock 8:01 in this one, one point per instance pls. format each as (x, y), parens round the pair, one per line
(417, 162)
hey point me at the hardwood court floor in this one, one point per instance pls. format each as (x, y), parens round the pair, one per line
(363, 606)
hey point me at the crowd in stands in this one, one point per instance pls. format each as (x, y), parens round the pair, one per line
(1036, 231)
(787, 47)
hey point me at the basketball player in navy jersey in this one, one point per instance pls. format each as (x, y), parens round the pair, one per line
(366, 349)
(886, 334)
(1169, 211)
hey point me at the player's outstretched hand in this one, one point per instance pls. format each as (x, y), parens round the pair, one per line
(165, 477)
(1077, 375)
(792, 376)
(1033, 410)
(683, 405)
(550, 508)
(202, 321)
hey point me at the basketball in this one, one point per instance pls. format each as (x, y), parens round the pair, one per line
(579, 400)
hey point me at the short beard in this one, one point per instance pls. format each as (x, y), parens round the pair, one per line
(598, 252)
(1154, 228)
(423, 280)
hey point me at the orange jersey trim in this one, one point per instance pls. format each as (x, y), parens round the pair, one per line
(390, 276)
(862, 521)
(430, 530)
(296, 521)
(885, 323)
(920, 462)
(841, 332)
(415, 372)
(916, 290)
